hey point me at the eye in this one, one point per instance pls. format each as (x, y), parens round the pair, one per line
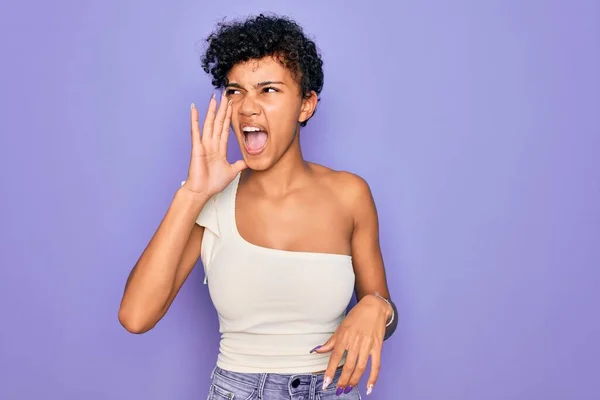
(273, 90)
(229, 92)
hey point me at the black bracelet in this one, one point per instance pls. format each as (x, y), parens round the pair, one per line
(391, 328)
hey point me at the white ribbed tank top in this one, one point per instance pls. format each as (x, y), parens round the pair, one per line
(273, 306)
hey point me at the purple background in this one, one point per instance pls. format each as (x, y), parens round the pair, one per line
(475, 122)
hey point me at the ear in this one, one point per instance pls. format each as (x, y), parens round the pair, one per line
(309, 104)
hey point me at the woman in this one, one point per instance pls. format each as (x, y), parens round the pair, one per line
(284, 242)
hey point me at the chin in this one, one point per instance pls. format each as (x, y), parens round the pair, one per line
(261, 163)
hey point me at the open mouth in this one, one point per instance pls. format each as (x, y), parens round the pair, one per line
(255, 138)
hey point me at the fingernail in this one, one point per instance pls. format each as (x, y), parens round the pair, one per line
(369, 389)
(326, 382)
(316, 348)
(348, 389)
(214, 95)
(193, 106)
(339, 391)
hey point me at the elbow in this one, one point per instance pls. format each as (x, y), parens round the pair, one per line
(134, 322)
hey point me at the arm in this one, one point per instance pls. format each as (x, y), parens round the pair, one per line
(164, 265)
(175, 247)
(361, 334)
(367, 258)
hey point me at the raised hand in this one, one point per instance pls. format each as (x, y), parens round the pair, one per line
(209, 171)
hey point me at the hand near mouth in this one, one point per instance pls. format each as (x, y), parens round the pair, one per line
(210, 172)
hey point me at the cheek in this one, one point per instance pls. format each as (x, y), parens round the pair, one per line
(282, 114)
(235, 120)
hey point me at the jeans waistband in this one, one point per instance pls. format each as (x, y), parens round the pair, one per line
(277, 382)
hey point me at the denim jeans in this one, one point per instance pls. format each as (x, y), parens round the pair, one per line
(227, 385)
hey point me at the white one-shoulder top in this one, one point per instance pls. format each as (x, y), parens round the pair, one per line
(273, 306)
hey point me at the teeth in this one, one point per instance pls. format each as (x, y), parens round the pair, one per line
(250, 129)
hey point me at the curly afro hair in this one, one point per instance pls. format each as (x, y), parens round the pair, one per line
(260, 36)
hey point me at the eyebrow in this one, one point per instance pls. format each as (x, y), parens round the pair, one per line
(260, 84)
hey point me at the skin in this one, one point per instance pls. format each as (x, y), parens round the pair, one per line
(277, 188)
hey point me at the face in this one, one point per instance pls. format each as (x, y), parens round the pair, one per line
(268, 108)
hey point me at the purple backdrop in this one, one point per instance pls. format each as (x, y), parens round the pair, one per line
(475, 122)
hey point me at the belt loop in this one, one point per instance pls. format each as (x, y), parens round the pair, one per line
(313, 387)
(261, 385)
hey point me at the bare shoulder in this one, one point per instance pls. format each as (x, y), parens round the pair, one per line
(350, 189)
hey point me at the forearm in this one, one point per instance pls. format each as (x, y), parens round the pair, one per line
(151, 281)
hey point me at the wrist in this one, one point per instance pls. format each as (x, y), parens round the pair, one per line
(190, 200)
(384, 305)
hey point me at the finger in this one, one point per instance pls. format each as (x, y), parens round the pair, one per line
(353, 351)
(375, 366)
(218, 126)
(360, 367)
(334, 361)
(327, 346)
(209, 120)
(347, 370)
(225, 131)
(194, 125)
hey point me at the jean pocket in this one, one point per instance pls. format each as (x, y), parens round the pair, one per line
(223, 391)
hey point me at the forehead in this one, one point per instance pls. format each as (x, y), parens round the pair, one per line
(259, 70)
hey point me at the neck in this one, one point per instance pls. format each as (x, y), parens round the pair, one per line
(289, 173)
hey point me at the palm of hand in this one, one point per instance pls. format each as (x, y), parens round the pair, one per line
(210, 171)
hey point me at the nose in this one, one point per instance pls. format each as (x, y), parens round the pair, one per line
(249, 106)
